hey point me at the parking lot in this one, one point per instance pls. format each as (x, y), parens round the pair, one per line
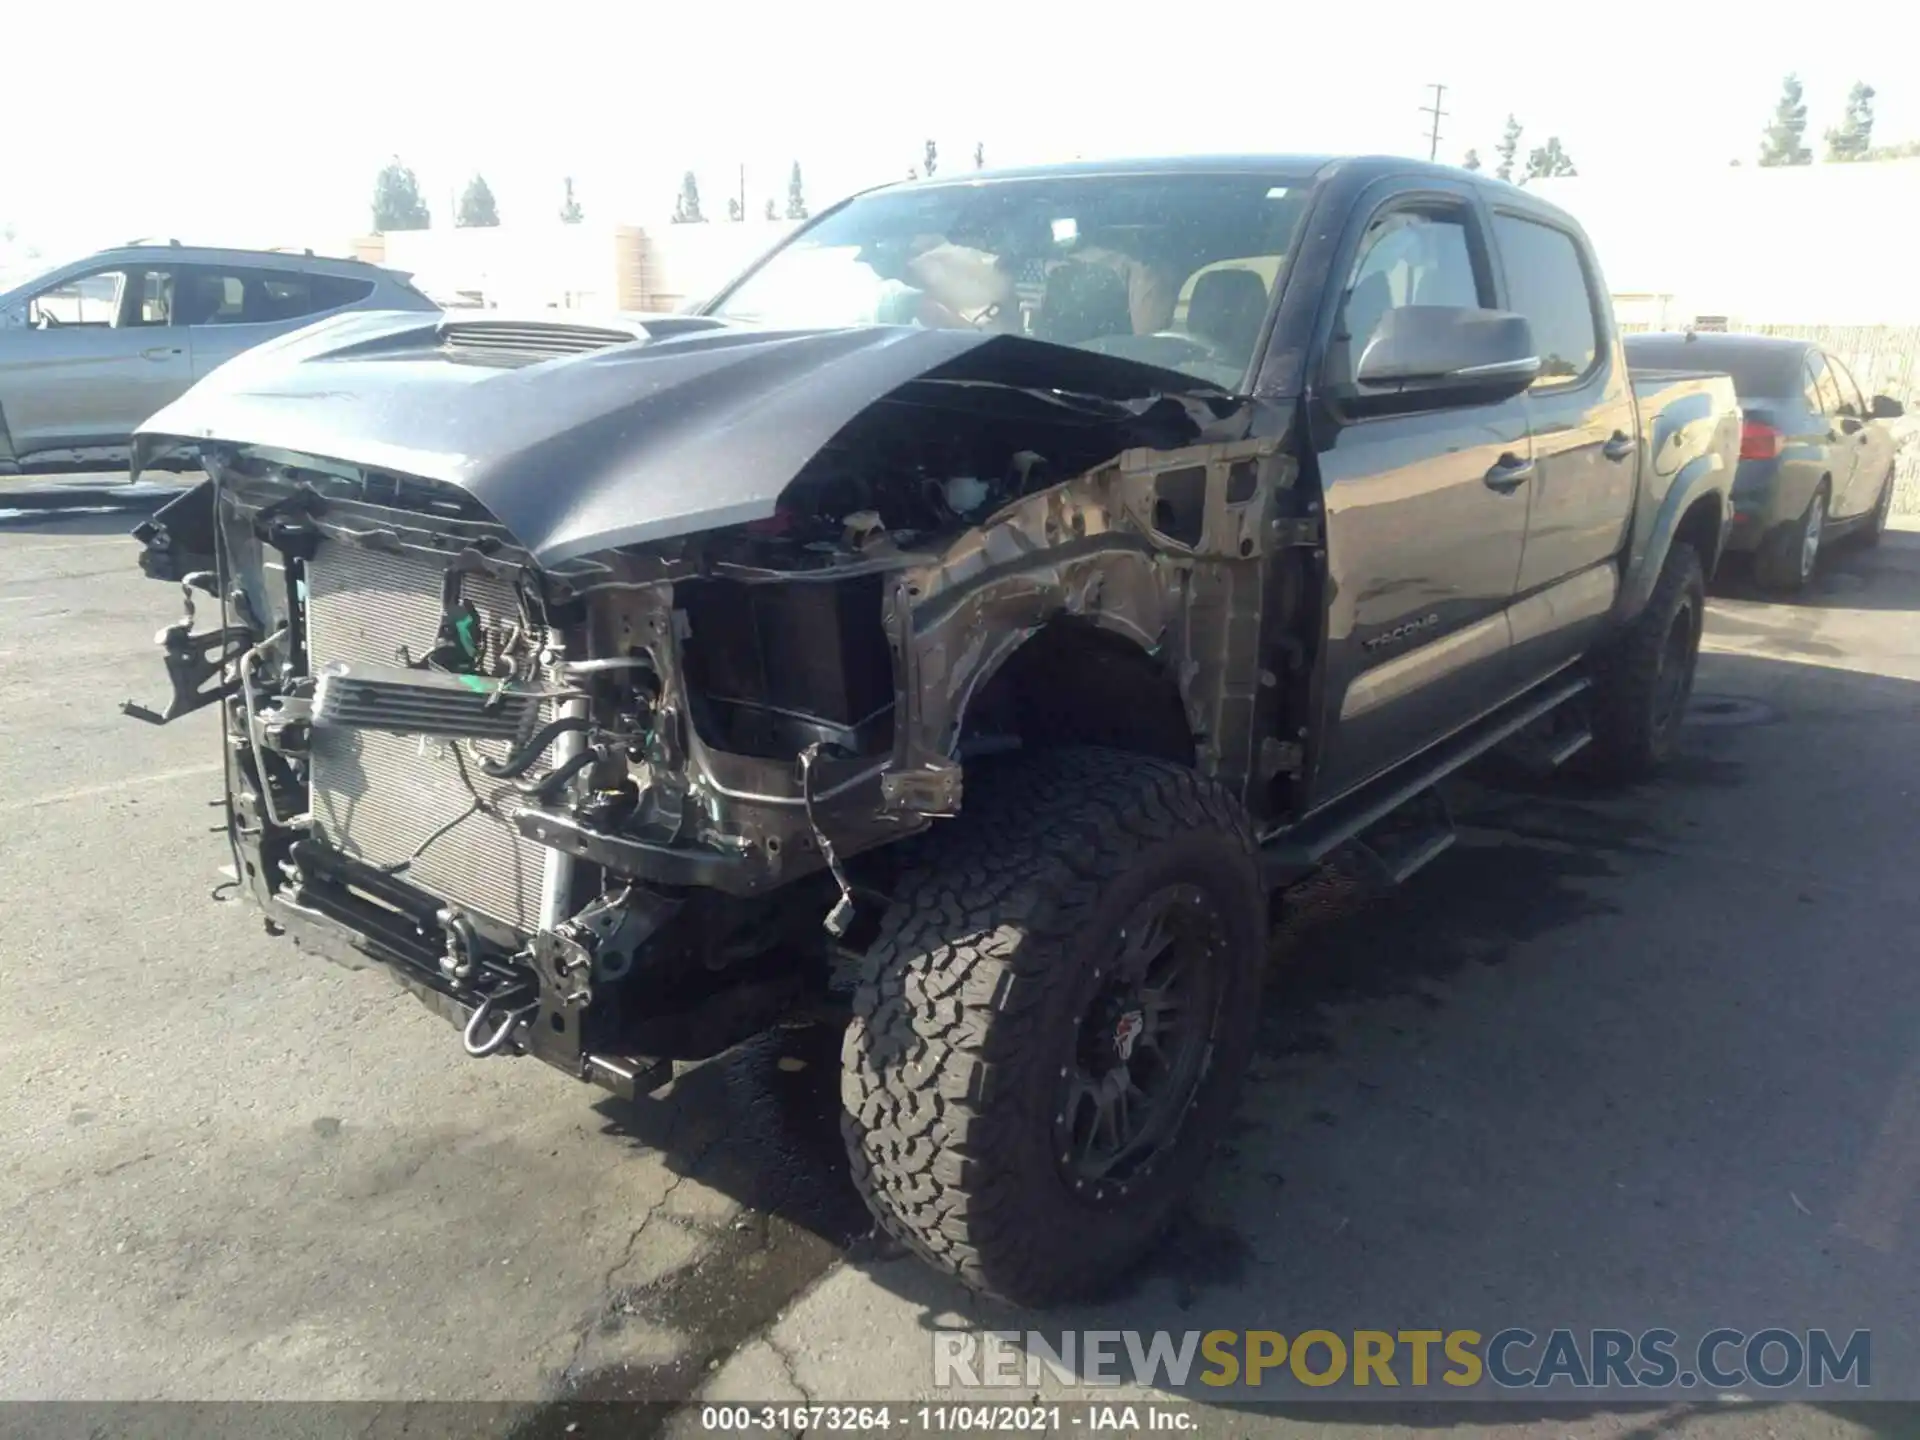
(1630, 1060)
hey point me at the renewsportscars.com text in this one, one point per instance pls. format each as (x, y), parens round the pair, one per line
(1512, 1359)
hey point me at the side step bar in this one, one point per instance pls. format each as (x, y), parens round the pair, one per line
(1294, 853)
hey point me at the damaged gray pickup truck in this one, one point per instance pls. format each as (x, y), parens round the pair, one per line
(976, 618)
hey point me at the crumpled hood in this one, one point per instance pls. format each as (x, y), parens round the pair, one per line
(688, 425)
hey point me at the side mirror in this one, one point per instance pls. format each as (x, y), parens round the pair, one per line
(14, 318)
(1444, 354)
(1885, 407)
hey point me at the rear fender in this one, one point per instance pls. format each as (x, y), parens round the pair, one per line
(1704, 476)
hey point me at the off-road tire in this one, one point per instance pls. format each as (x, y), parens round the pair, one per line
(975, 990)
(1635, 719)
(1882, 508)
(1779, 564)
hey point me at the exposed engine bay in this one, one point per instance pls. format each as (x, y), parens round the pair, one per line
(593, 807)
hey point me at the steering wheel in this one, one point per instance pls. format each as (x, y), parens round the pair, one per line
(1169, 349)
(1198, 347)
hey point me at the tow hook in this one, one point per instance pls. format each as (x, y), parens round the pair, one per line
(476, 1039)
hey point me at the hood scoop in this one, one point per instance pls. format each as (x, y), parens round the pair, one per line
(520, 342)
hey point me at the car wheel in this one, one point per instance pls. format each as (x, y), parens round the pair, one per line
(1882, 508)
(1642, 681)
(1787, 561)
(1051, 1028)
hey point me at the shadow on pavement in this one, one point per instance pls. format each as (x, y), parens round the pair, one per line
(76, 523)
(1851, 576)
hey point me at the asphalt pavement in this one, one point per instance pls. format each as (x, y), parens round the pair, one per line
(1633, 1060)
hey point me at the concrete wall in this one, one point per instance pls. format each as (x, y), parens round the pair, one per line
(575, 267)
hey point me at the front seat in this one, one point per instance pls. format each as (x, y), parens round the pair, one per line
(1226, 310)
(1083, 302)
(200, 300)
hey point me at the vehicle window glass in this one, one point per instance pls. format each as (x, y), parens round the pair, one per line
(92, 300)
(1408, 257)
(1810, 384)
(210, 297)
(1171, 270)
(1547, 283)
(153, 298)
(1825, 396)
(1852, 401)
(288, 295)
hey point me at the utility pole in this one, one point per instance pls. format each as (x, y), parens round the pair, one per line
(1433, 133)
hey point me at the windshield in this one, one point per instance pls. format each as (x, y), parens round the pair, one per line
(1170, 270)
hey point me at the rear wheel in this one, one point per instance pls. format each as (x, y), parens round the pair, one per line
(1787, 560)
(1642, 681)
(1051, 1028)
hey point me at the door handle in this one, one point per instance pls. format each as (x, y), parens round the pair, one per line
(1618, 447)
(1508, 472)
(159, 352)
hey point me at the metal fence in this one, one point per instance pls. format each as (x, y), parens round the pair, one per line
(1885, 359)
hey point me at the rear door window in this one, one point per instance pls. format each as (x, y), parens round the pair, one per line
(205, 296)
(1548, 283)
(1852, 401)
(210, 296)
(1823, 396)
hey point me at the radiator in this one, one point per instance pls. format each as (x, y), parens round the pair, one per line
(376, 795)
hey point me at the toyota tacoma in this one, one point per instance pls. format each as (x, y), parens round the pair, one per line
(972, 621)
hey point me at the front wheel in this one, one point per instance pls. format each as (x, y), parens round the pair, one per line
(1882, 509)
(1051, 1028)
(1643, 679)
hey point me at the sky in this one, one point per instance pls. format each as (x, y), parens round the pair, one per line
(264, 124)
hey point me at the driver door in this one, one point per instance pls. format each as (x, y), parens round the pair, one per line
(1426, 513)
(99, 356)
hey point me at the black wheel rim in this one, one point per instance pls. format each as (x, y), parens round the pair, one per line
(1142, 1043)
(1675, 679)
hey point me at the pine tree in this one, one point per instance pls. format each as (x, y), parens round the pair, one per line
(735, 210)
(1549, 160)
(571, 213)
(772, 213)
(796, 196)
(396, 200)
(979, 154)
(933, 158)
(1852, 139)
(686, 209)
(1472, 162)
(1781, 143)
(1507, 149)
(477, 209)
